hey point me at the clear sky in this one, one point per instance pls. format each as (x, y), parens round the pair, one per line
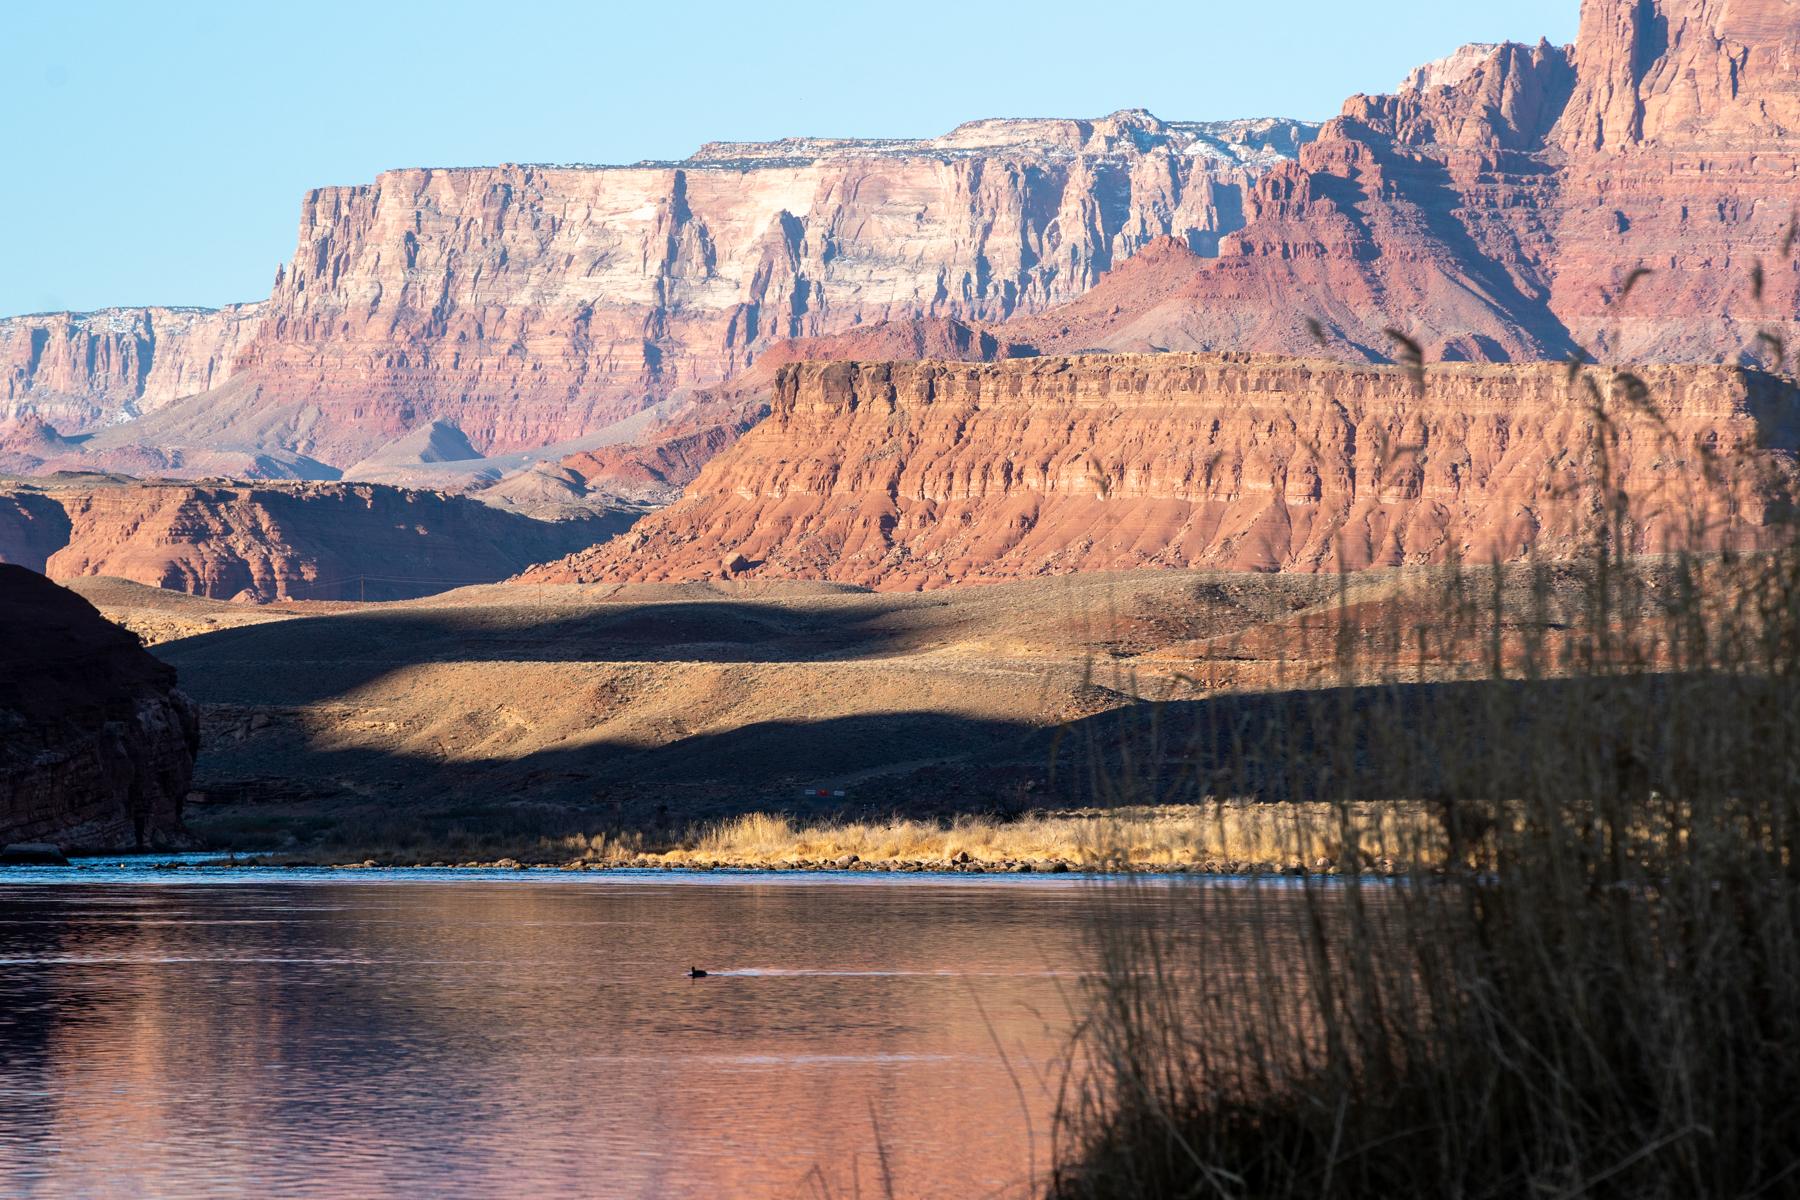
(156, 150)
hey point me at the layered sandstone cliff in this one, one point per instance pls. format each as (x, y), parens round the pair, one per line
(271, 542)
(1496, 207)
(1689, 74)
(96, 744)
(532, 304)
(83, 371)
(926, 474)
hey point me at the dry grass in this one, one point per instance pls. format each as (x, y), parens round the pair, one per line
(1224, 836)
(1219, 835)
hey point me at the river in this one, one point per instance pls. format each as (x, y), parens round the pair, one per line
(310, 1033)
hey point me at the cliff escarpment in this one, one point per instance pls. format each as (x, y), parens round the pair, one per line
(267, 542)
(97, 746)
(909, 475)
(532, 304)
(1632, 196)
(84, 371)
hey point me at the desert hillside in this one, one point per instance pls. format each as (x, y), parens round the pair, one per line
(626, 702)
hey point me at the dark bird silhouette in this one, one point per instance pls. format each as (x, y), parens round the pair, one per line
(696, 973)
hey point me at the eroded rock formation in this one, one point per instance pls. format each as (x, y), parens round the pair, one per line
(82, 371)
(96, 744)
(1629, 197)
(533, 304)
(911, 475)
(270, 542)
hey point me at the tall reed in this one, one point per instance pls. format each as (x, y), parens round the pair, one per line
(1588, 986)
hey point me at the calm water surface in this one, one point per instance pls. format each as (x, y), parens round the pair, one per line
(236, 1033)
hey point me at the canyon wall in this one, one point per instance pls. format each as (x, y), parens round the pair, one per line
(272, 542)
(910, 475)
(1627, 198)
(532, 304)
(83, 371)
(97, 746)
(1630, 197)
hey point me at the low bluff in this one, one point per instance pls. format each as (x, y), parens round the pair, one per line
(265, 542)
(97, 746)
(926, 474)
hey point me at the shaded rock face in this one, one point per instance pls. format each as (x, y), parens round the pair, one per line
(914, 475)
(532, 304)
(265, 543)
(97, 745)
(33, 526)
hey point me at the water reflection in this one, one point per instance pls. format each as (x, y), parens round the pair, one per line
(389, 1038)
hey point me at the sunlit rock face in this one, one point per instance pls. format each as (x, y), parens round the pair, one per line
(1629, 197)
(531, 304)
(97, 745)
(83, 371)
(909, 475)
(267, 542)
(1497, 207)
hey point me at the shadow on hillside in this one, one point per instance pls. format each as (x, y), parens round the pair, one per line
(318, 658)
(1433, 741)
(1441, 741)
(928, 763)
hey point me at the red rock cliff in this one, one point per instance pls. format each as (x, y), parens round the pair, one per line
(1494, 208)
(533, 304)
(1714, 74)
(926, 474)
(82, 371)
(274, 542)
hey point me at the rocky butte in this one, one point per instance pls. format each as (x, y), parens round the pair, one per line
(97, 745)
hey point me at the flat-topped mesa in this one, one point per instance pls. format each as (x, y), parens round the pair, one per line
(1128, 133)
(927, 474)
(531, 304)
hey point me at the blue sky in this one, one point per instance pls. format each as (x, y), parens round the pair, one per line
(156, 152)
